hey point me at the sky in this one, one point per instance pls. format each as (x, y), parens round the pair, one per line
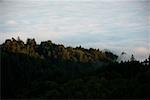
(116, 25)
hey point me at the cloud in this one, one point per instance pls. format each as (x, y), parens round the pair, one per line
(26, 22)
(141, 50)
(11, 23)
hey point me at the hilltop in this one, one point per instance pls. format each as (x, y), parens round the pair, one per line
(52, 51)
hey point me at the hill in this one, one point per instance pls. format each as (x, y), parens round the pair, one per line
(49, 70)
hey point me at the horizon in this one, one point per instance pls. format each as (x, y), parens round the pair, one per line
(122, 56)
(119, 26)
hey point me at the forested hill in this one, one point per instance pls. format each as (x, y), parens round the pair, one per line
(52, 71)
(50, 51)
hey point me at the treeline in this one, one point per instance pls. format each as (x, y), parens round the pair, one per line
(51, 51)
(49, 70)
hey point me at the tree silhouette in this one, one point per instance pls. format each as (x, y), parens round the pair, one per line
(149, 59)
(132, 58)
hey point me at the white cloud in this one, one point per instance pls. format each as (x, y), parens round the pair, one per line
(11, 23)
(141, 50)
(25, 22)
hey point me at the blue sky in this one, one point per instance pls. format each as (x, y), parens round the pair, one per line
(117, 25)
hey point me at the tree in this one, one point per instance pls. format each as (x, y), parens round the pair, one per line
(132, 58)
(31, 45)
(149, 60)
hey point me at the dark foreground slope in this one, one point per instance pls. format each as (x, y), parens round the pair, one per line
(49, 70)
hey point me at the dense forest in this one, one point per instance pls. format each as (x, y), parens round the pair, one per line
(48, 70)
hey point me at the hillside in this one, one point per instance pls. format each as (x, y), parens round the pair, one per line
(49, 70)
